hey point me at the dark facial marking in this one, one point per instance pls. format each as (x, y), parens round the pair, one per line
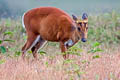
(80, 23)
(79, 29)
(87, 28)
(85, 24)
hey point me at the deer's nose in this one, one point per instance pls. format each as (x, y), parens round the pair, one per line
(83, 40)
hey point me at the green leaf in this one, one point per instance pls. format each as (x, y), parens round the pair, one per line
(30, 52)
(76, 67)
(46, 63)
(91, 51)
(1, 41)
(8, 23)
(81, 72)
(84, 61)
(42, 52)
(0, 28)
(17, 53)
(98, 50)
(25, 37)
(97, 77)
(8, 33)
(67, 61)
(2, 49)
(96, 44)
(95, 50)
(9, 40)
(96, 56)
(2, 61)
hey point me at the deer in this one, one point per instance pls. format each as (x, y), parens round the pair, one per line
(45, 24)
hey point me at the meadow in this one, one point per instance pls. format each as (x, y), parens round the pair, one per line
(97, 59)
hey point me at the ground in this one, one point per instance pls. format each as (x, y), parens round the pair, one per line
(83, 67)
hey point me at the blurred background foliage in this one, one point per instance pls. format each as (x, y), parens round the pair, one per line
(15, 8)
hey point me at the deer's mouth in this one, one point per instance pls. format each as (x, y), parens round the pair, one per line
(69, 43)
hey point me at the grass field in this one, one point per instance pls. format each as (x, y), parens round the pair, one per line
(97, 59)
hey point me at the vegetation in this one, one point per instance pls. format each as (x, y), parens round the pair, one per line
(103, 38)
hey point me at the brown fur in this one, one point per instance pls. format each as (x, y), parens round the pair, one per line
(52, 24)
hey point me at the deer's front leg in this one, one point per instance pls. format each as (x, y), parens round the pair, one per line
(63, 50)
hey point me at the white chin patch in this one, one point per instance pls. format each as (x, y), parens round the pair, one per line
(69, 43)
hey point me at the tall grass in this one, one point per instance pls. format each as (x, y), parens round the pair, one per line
(103, 37)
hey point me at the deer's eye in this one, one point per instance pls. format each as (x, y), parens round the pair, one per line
(80, 24)
(79, 29)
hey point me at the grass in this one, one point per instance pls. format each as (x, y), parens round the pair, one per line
(105, 67)
(97, 59)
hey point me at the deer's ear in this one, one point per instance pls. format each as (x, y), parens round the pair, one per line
(74, 17)
(84, 16)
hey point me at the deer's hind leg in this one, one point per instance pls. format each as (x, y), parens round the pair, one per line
(30, 42)
(41, 42)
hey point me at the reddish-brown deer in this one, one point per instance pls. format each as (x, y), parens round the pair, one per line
(52, 24)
